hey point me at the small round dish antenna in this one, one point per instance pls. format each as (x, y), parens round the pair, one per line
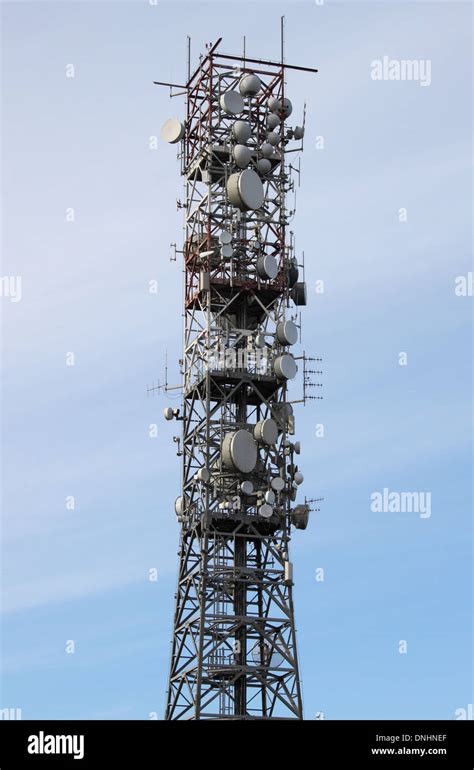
(246, 487)
(231, 103)
(287, 332)
(241, 131)
(242, 155)
(266, 150)
(264, 166)
(225, 237)
(274, 105)
(266, 432)
(250, 85)
(245, 190)
(287, 108)
(172, 131)
(285, 367)
(277, 484)
(239, 451)
(267, 267)
(272, 121)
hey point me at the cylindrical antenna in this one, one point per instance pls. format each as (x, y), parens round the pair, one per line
(189, 58)
(282, 38)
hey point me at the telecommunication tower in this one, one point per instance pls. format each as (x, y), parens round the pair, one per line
(234, 651)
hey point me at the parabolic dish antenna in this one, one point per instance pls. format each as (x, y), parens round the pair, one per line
(285, 367)
(245, 190)
(266, 432)
(172, 131)
(226, 250)
(298, 132)
(250, 85)
(242, 131)
(277, 484)
(239, 451)
(265, 511)
(287, 108)
(264, 166)
(231, 103)
(225, 237)
(287, 332)
(179, 505)
(246, 487)
(272, 121)
(274, 105)
(267, 267)
(242, 155)
(298, 293)
(266, 150)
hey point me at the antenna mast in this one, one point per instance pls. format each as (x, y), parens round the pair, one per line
(234, 650)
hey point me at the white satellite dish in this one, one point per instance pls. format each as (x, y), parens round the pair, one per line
(270, 497)
(242, 155)
(272, 121)
(250, 85)
(267, 150)
(287, 332)
(273, 138)
(172, 131)
(274, 105)
(203, 475)
(298, 477)
(227, 250)
(277, 484)
(225, 237)
(264, 166)
(266, 432)
(245, 190)
(239, 451)
(267, 267)
(168, 413)
(241, 131)
(246, 487)
(298, 132)
(285, 367)
(231, 103)
(265, 511)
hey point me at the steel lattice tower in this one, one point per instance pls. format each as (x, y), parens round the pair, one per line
(234, 647)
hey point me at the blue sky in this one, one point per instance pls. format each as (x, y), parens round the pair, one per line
(82, 430)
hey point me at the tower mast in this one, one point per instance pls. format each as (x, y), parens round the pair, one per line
(234, 644)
